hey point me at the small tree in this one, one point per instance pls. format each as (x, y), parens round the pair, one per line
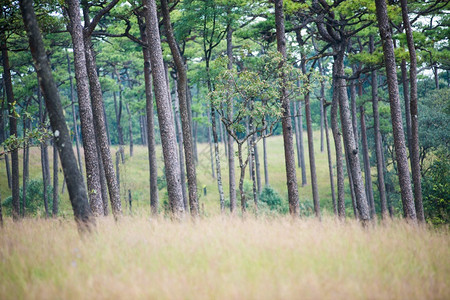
(253, 94)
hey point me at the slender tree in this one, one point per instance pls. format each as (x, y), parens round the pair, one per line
(396, 116)
(414, 146)
(184, 111)
(291, 177)
(167, 129)
(75, 184)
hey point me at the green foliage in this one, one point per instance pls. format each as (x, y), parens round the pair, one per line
(270, 197)
(34, 199)
(436, 193)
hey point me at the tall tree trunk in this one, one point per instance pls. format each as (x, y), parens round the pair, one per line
(291, 177)
(130, 129)
(211, 156)
(44, 156)
(100, 128)
(118, 110)
(185, 111)
(354, 110)
(322, 108)
(368, 177)
(312, 159)
(231, 167)
(74, 118)
(297, 134)
(103, 184)
(85, 110)
(12, 129)
(25, 173)
(257, 166)
(302, 147)
(151, 145)
(405, 83)
(338, 149)
(75, 185)
(377, 137)
(55, 181)
(330, 163)
(396, 116)
(2, 137)
(414, 147)
(167, 129)
(349, 138)
(179, 132)
(266, 163)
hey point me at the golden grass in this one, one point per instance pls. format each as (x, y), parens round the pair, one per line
(222, 258)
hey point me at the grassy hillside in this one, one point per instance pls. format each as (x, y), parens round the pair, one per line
(135, 176)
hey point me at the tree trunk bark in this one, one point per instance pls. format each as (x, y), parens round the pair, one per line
(377, 137)
(312, 159)
(179, 133)
(396, 116)
(414, 147)
(302, 147)
(366, 159)
(130, 129)
(74, 118)
(231, 167)
(405, 83)
(185, 111)
(330, 162)
(266, 163)
(151, 145)
(349, 138)
(55, 181)
(25, 173)
(297, 134)
(12, 129)
(338, 149)
(100, 130)
(85, 110)
(75, 185)
(322, 108)
(167, 129)
(291, 177)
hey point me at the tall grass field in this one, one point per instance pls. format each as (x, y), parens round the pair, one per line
(268, 256)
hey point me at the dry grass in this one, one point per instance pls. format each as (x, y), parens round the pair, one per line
(223, 258)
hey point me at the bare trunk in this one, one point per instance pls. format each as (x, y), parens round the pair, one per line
(130, 129)
(100, 130)
(12, 129)
(25, 173)
(312, 160)
(231, 167)
(330, 163)
(74, 117)
(291, 177)
(338, 149)
(414, 146)
(322, 108)
(185, 114)
(368, 177)
(297, 134)
(167, 130)
(350, 144)
(76, 187)
(179, 132)
(266, 163)
(377, 137)
(405, 83)
(396, 116)
(302, 147)
(85, 110)
(151, 145)
(55, 181)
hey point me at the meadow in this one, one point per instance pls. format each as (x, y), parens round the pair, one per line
(219, 256)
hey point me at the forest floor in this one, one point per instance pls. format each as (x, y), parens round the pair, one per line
(220, 257)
